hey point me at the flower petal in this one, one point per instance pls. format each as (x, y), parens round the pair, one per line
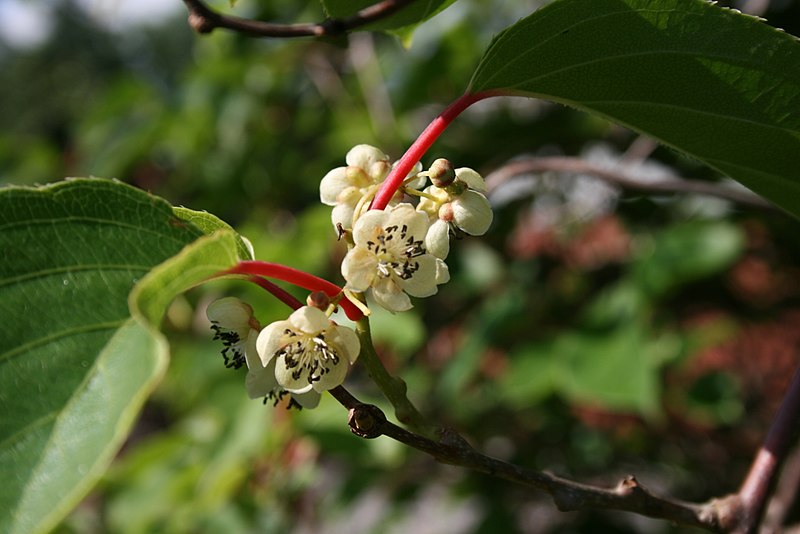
(472, 213)
(345, 341)
(388, 295)
(334, 377)
(473, 180)
(442, 272)
(365, 156)
(437, 240)
(368, 226)
(423, 282)
(416, 222)
(270, 341)
(343, 214)
(359, 268)
(332, 185)
(286, 379)
(251, 350)
(308, 400)
(230, 313)
(260, 381)
(309, 320)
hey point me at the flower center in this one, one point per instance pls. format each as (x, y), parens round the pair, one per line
(396, 250)
(307, 353)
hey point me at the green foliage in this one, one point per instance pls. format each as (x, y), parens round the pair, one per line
(718, 85)
(508, 352)
(58, 298)
(74, 251)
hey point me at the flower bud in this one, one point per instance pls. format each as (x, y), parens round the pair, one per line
(319, 300)
(442, 173)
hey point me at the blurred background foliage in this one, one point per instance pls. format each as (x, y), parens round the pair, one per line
(592, 332)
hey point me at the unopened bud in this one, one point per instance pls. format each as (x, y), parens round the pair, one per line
(442, 173)
(319, 300)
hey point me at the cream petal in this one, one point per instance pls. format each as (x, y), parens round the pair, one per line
(270, 340)
(287, 381)
(345, 341)
(332, 185)
(230, 313)
(342, 214)
(416, 222)
(309, 320)
(309, 400)
(365, 156)
(260, 381)
(251, 350)
(368, 226)
(437, 240)
(473, 180)
(423, 282)
(428, 207)
(359, 268)
(442, 272)
(332, 378)
(388, 295)
(472, 213)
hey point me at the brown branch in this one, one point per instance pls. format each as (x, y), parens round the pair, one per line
(203, 19)
(368, 421)
(620, 178)
(760, 481)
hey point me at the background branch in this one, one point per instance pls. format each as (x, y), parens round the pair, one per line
(622, 179)
(203, 19)
(368, 421)
(760, 481)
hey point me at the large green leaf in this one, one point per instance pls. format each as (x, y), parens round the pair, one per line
(711, 82)
(75, 367)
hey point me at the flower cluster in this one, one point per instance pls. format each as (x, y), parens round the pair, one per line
(393, 254)
(302, 356)
(349, 189)
(400, 251)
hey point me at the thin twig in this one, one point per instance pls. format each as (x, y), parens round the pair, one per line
(758, 484)
(622, 179)
(368, 421)
(203, 19)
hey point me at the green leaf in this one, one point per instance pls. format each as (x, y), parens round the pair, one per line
(616, 369)
(210, 224)
(75, 367)
(409, 16)
(718, 85)
(684, 253)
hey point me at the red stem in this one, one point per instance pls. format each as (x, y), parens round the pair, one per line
(296, 277)
(421, 145)
(276, 291)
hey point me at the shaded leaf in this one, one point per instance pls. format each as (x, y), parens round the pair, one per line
(406, 17)
(718, 85)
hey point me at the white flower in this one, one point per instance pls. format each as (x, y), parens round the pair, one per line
(344, 187)
(389, 257)
(308, 352)
(460, 205)
(233, 322)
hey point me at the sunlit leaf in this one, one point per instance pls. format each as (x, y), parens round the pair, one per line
(75, 367)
